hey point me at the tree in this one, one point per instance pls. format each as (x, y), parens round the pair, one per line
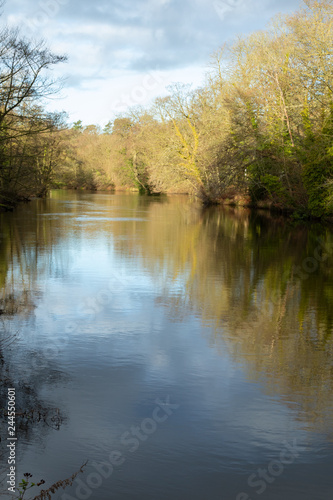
(260, 128)
(78, 125)
(24, 83)
(108, 128)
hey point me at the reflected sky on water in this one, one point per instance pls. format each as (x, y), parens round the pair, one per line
(127, 308)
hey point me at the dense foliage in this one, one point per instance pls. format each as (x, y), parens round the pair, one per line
(29, 144)
(259, 131)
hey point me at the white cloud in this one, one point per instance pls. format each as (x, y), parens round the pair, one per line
(112, 45)
(120, 91)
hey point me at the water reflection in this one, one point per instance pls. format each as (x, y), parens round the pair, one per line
(121, 299)
(266, 287)
(25, 253)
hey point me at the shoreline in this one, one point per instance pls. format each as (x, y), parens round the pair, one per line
(240, 201)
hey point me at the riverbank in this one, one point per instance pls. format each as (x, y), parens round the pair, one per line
(237, 200)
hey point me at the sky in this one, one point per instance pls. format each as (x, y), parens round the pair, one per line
(124, 53)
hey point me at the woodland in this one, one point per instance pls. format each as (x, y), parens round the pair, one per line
(259, 132)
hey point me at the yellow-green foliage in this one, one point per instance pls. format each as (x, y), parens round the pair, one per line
(261, 125)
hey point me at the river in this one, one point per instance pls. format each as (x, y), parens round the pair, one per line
(185, 353)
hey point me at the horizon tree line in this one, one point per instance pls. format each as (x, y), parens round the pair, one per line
(259, 130)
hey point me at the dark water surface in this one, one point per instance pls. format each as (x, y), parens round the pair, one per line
(186, 354)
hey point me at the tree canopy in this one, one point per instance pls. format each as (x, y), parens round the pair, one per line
(258, 132)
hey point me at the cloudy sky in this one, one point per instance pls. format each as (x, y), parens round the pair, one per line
(123, 53)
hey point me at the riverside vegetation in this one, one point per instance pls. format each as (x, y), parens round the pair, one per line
(258, 132)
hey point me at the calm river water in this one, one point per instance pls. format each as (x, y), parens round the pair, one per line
(186, 354)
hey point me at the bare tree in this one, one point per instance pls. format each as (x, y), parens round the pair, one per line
(25, 82)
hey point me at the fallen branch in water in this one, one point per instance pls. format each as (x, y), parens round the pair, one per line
(46, 494)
